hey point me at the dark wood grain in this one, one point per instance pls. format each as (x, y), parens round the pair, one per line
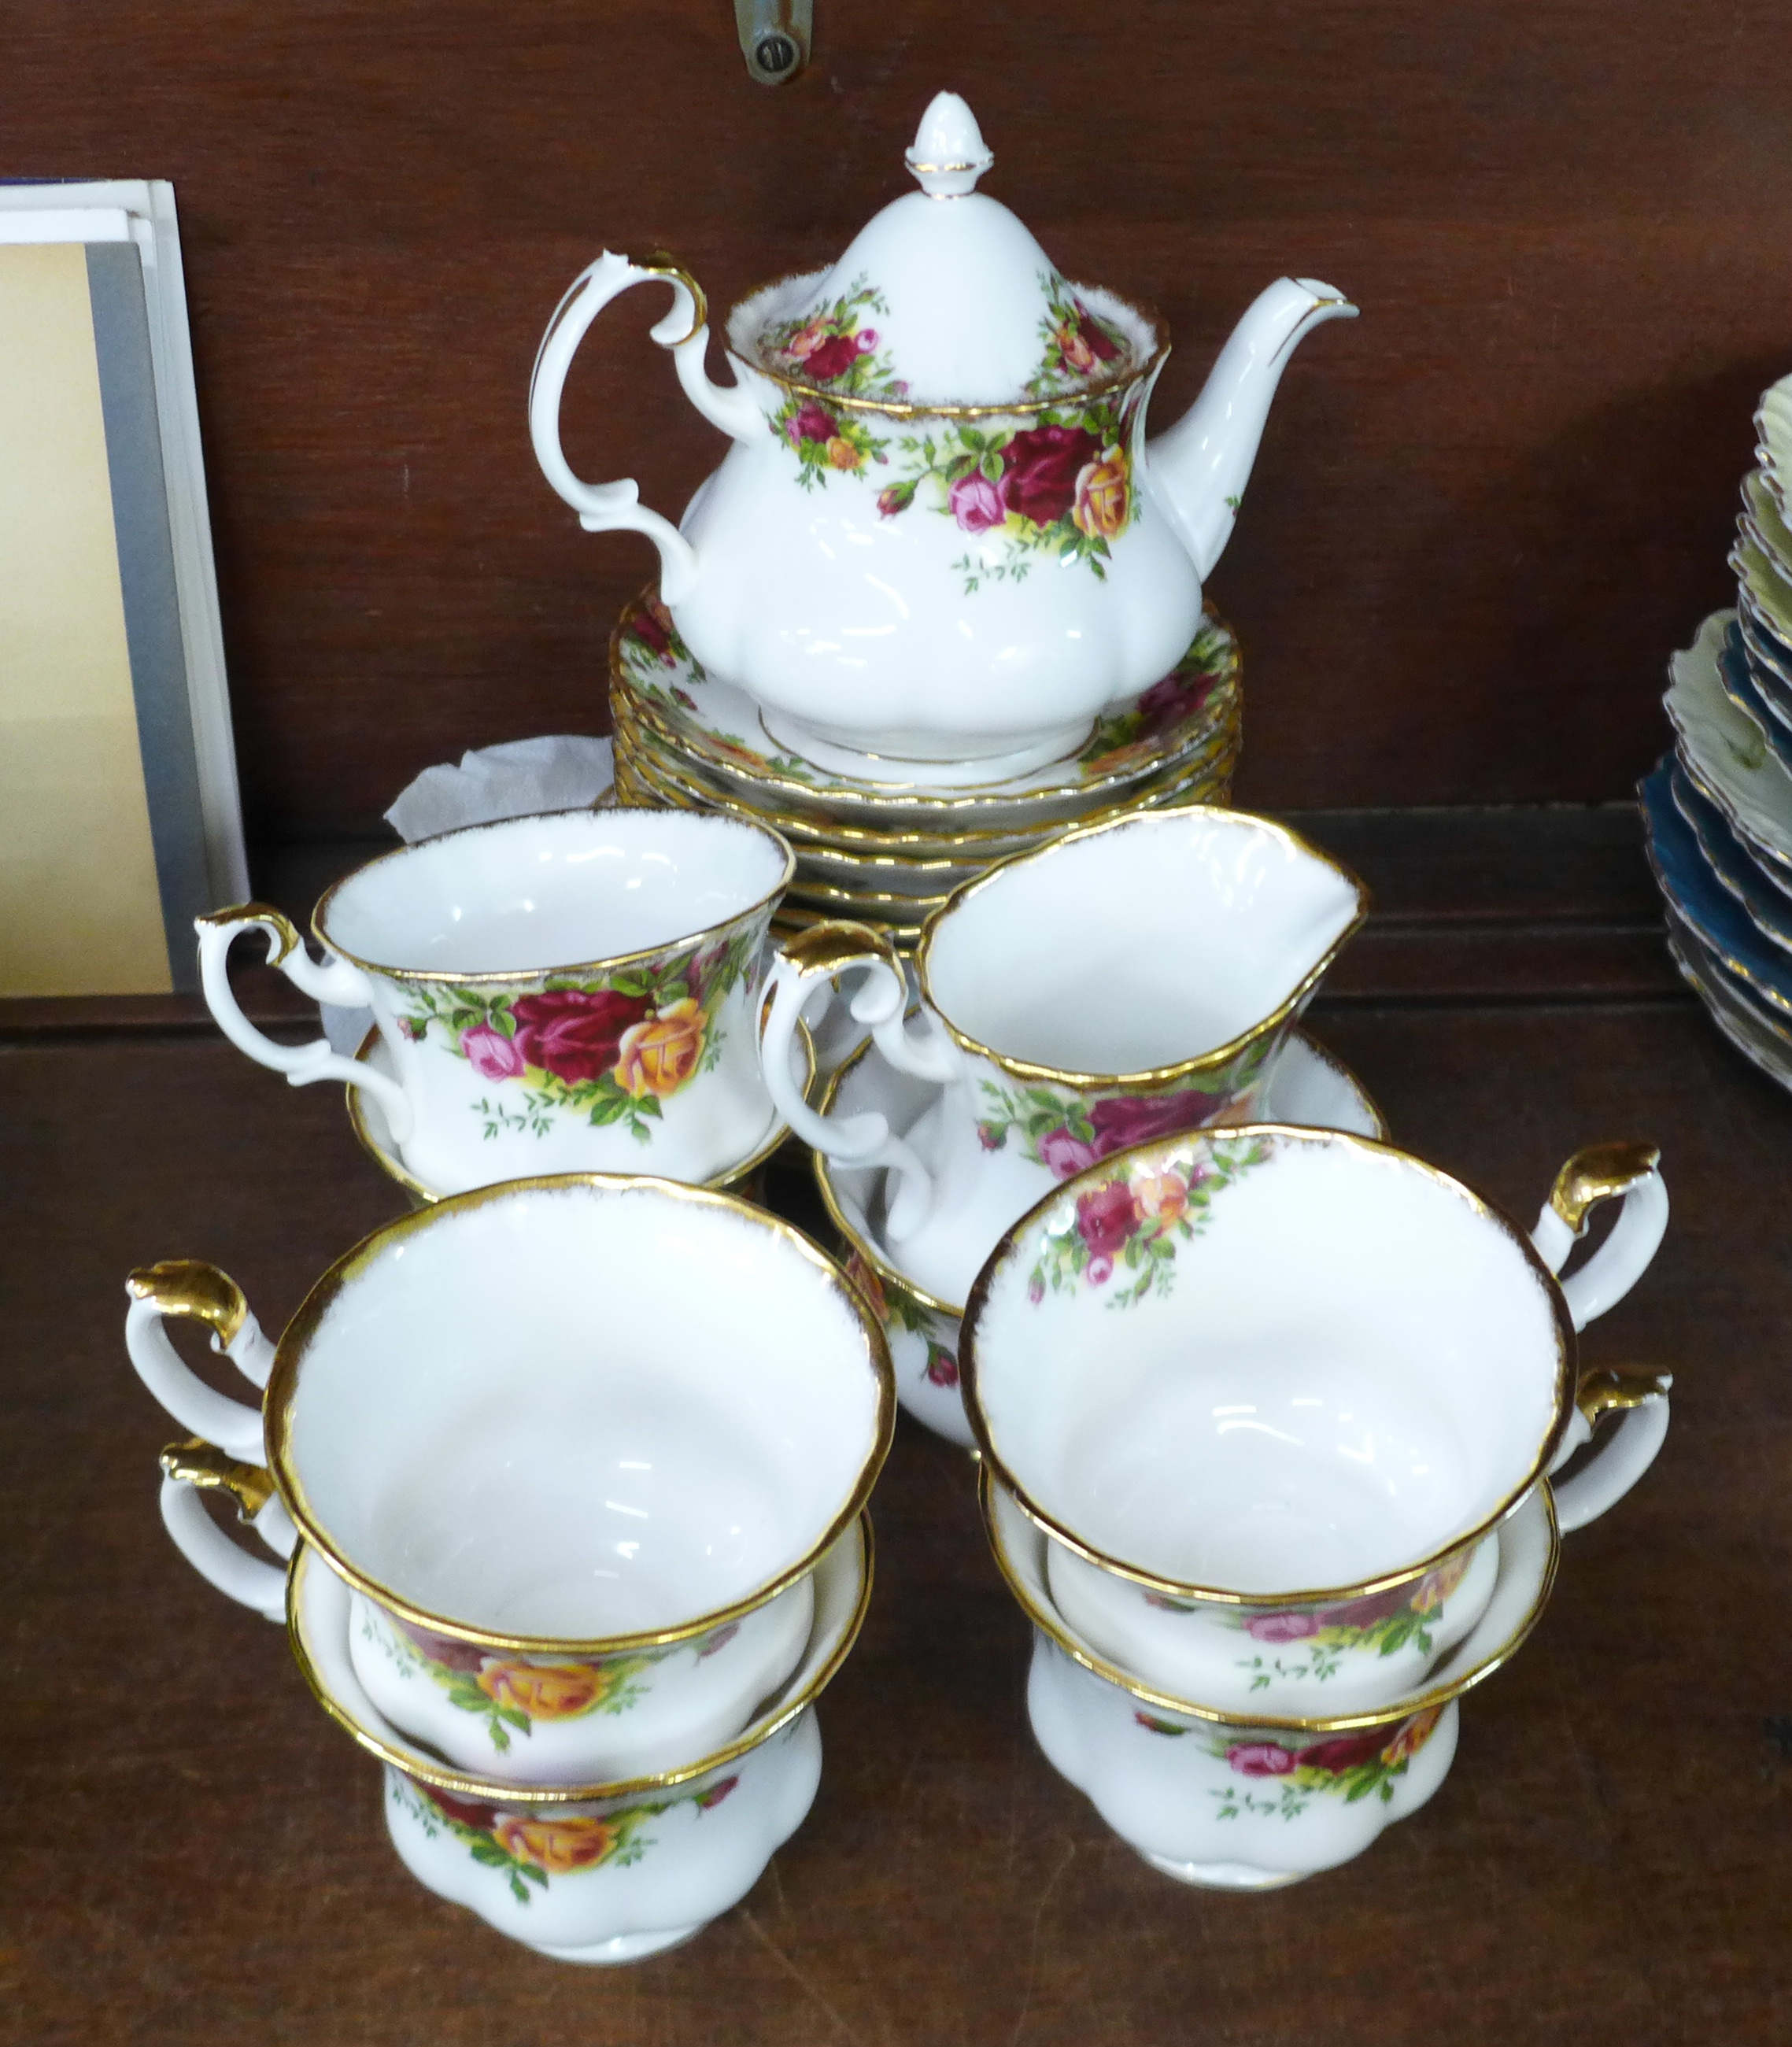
(189, 1851)
(1483, 514)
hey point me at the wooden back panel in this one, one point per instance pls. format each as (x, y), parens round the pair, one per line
(1483, 514)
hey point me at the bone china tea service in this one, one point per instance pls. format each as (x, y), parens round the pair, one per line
(568, 992)
(1270, 1392)
(940, 533)
(1126, 980)
(577, 1550)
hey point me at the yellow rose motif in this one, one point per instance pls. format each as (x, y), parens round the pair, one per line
(842, 454)
(869, 1285)
(548, 1691)
(556, 1846)
(1159, 1197)
(1076, 353)
(658, 1056)
(1412, 1736)
(1104, 497)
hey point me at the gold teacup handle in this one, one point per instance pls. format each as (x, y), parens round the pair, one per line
(1639, 1399)
(193, 1467)
(186, 1289)
(1630, 1173)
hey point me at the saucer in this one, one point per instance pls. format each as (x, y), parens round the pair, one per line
(1773, 426)
(1306, 1086)
(366, 1114)
(1724, 754)
(1763, 523)
(1767, 590)
(1694, 891)
(1736, 674)
(1754, 887)
(712, 723)
(1751, 1033)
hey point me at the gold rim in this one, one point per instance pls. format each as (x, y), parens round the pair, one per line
(1205, 1062)
(445, 1779)
(395, 1170)
(1023, 407)
(283, 1386)
(1049, 1623)
(1221, 1595)
(594, 967)
(1228, 680)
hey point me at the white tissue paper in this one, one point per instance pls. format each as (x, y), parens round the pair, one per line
(564, 771)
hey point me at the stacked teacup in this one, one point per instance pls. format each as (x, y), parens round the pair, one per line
(1267, 1416)
(568, 1466)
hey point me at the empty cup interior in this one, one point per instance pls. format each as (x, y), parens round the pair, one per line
(564, 890)
(580, 1411)
(1349, 1365)
(1140, 946)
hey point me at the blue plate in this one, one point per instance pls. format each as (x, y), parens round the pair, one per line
(1729, 859)
(1776, 691)
(1769, 666)
(1742, 689)
(1725, 928)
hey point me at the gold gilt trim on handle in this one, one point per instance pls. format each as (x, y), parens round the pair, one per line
(1606, 1392)
(1596, 1174)
(285, 932)
(206, 1469)
(189, 1286)
(661, 265)
(827, 948)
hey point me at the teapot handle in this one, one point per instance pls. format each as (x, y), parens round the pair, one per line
(610, 506)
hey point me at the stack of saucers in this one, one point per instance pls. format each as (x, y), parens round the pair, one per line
(1718, 810)
(888, 853)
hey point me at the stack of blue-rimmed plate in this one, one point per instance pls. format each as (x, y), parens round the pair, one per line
(1718, 810)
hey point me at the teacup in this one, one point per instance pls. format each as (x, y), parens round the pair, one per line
(1270, 1392)
(600, 1872)
(571, 992)
(576, 1445)
(1304, 1083)
(1124, 981)
(1253, 1801)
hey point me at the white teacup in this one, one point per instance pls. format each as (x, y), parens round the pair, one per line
(572, 992)
(605, 1872)
(1251, 1800)
(1125, 981)
(1270, 1390)
(576, 1445)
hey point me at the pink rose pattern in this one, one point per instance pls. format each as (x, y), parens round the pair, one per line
(1195, 695)
(609, 1052)
(1061, 484)
(1132, 1223)
(1351, 1766)
(1378, 1624)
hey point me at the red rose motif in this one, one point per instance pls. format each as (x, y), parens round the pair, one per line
(706, 1800)
(480, 1818)
(811, 422)
(1090, 333)
(943, 1366)
(1040, 470)
(1344, 1751)
(443, 1648)
(653, 631)
(1166, 704)
(573, 1036)
(835, 355)
(1121, 1119)
(1261, 1759)
(1366, 1612)
(1105, 1219)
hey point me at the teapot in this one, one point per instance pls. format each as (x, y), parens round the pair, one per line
(940, 533)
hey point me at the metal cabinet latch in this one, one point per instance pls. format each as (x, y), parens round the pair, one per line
(774, 37)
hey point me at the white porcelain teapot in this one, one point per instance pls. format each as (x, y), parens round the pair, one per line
(940, 533)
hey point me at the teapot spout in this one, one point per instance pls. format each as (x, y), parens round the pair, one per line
(1198, 469)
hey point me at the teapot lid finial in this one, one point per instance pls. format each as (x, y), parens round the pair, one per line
(949, 154)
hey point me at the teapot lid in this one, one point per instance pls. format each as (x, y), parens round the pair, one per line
(943, 300)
